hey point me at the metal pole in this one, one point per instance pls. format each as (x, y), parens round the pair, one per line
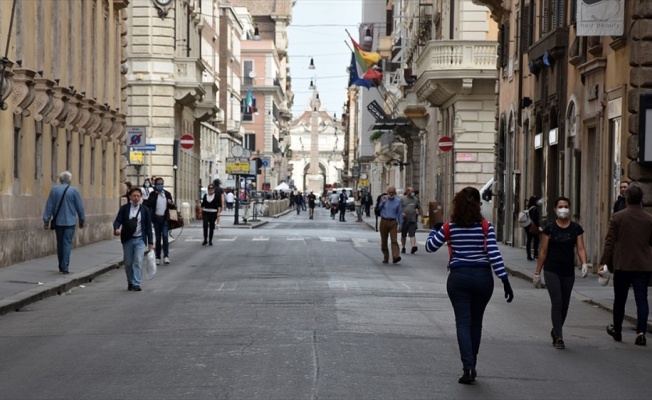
(237, 199)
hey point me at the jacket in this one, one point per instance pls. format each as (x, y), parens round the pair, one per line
(628, 244)
(151, 202)
(72, 207)
(145, 221)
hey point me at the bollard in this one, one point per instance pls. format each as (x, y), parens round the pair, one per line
(185, 211)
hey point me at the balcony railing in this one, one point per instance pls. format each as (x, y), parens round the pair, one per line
(457, 55)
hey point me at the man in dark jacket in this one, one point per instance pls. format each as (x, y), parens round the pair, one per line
(134, 226)
(159, 202)
(620, 203)
(367, 202)
(627, 253)
(342, 205)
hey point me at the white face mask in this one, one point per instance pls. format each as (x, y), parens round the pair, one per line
(562, 213)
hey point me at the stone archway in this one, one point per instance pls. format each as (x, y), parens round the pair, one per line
(322, 172)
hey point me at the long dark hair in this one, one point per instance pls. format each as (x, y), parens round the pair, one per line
(532, 202)
(466, 207)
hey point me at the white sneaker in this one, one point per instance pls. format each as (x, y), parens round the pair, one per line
(166, 260)
(158, 261)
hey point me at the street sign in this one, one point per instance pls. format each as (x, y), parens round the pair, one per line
(136, 136)
(148, 147)
(377, 111)
(445, 143)
(136, 157)
(267, 161)
(187, 141)
(235, 165)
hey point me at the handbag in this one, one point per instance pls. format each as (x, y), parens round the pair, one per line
(129, 227)
(54, 217)
(175, 220)
(533, 229)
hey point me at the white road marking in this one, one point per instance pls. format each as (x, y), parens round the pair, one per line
(228, 239)
(260, 238)
(327, 239)
(295, 238)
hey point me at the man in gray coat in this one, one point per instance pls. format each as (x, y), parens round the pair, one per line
(64, 206)
(627, 254)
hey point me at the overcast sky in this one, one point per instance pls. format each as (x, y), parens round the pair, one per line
(318, 30)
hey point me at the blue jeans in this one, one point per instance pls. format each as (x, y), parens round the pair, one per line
(134, 252)
(622, 281)
(469, 289)
(64, 245)
(161, 228)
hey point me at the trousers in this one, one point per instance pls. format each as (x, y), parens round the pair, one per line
(389, 228)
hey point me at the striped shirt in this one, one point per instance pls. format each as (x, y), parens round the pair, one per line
(468, 247)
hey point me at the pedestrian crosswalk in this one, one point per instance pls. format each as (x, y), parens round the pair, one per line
(329, 239)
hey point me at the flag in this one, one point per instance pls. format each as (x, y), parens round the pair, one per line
(249, 102)
(354, 77)
(373, 75)
(365, 58)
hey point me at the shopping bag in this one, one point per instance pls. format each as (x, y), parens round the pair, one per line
(149, 265)
(175, 220)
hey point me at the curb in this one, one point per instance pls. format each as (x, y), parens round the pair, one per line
(56, 287)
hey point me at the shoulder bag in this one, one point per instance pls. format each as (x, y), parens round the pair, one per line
(53, 221)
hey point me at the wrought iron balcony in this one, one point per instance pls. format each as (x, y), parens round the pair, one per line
(449, 67)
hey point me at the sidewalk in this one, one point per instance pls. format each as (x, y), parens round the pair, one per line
(585, 289)
(30, 281)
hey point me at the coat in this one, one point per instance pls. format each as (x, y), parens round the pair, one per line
(151, 202)
(145, 221)
(628, 244)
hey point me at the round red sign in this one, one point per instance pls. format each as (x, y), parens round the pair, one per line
(445, 143)
(187, 141)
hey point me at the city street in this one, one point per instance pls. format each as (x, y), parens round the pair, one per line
(304, 309)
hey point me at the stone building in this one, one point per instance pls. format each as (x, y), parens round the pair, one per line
(63, 108)
(567, 112)
(173, 84)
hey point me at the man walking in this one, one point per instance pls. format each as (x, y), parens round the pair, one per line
(342, 205)
(367, 202)
(133, 224)
(627, 254)
(311, 204)
(411, 212)
(160, 201)
(391, 219)
(64, 207)
(621, 203)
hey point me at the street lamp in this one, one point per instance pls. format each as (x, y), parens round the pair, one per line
(367, 36)
(312, 63)
(256, 33)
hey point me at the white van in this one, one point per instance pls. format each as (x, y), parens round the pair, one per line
(350, 200)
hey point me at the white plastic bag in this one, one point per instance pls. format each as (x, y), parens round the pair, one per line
(149, 265)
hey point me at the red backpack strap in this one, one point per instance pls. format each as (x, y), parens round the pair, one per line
(447, 236)
(485, 231)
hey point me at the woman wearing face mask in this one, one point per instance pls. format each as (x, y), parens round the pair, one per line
(557, 258)
(146, 189)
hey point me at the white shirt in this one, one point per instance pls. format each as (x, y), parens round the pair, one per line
(133, 210)
(161, 204)
(145, 192)
(230, 198)
(335, 198)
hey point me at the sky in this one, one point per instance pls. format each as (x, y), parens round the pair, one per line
(318, 31)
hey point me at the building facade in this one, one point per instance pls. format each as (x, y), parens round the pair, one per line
(64, 108)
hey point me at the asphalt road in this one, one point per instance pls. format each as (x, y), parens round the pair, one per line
(303, 309)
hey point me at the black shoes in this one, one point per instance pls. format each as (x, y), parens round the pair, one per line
(137, 288)
(414, 249)
(396, 260)
(552, 335)
(529, 258)
(203, 243)
(210, 243)
(65, 272)
(130, 287)
(618, 337)
(403, 250)
(640, 339)
(468, 377)
(559, 344)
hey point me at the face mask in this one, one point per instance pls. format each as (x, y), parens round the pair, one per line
(391, 196)
(159, 188)
(135, 202)
(413, 195)
(563, 213)
(147, 184)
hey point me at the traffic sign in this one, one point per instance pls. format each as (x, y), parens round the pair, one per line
(445, 143)
(148, 147)
(136, 136)
(266, 161)
(187, 141)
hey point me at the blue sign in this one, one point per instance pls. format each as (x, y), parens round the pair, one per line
(265, 162)
(149, 147)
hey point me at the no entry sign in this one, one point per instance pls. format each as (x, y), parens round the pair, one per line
(445, 143)
(187, 141)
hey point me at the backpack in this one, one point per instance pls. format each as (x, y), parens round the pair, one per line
(447, 236)
(524, 218)
(378, 203)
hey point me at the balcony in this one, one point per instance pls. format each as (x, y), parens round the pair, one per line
(189, 88)
(446, 68)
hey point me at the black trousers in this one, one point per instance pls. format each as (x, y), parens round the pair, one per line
(342, 211)
(208, 220)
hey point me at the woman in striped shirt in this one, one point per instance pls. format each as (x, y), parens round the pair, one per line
(470, 285)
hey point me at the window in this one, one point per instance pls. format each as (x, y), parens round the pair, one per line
(92, 162)
(504, 44)
(527, 24)
(68, 150)
(249, 141)
(247, 111)
(247, 68)
(103, 163)
(53, 154)
(38, 152)
(81, 158)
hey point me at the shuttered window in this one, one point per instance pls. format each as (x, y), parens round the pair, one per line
(526, 29)
(504, 44)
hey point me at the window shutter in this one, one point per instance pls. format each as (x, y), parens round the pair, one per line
(247, 67)
(504, 45)
(525, 28)
(545, 26)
